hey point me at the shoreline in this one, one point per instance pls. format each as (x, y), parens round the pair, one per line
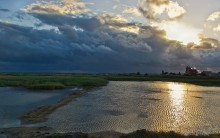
(45, 132)
(40, 114)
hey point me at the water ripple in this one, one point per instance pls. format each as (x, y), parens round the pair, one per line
(129, 106)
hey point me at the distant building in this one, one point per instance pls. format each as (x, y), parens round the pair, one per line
(164, 73)
(191, 71)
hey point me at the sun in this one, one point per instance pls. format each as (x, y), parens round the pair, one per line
(181, 32)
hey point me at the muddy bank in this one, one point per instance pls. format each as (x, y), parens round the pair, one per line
(45, 132)
(36, 132)
(40, 114)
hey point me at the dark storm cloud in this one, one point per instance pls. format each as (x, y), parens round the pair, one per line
(99, 50)
(24, 44)
(86, 43)
(87, 23)
(46, 47)
(177, 51)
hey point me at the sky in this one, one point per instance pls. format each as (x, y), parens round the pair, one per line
(111, 36)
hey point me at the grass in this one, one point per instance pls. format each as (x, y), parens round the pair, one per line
(56, 81)
(76, 135)
(61, 81)
(47, 86)
(197, 80)
(150, 134)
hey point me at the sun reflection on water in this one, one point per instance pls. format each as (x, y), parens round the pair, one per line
(177, 96)
(177, 92)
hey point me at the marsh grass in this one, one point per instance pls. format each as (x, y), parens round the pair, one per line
(61, 81)
(137, 134)
(39, 81)
(47, 86)
(171, 134)
(197, 80)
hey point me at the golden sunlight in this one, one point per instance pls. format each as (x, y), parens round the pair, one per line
(176, 91)
(180, 32)
(177, 95)
(130, 29)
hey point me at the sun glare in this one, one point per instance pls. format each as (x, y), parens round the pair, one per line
(175, 87)
(181, 32)
(177, 93)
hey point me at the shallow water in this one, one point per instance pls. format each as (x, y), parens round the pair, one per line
(129, 106)
(16, 101)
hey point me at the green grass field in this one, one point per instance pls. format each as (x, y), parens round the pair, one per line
(61, 81)
(39, 81)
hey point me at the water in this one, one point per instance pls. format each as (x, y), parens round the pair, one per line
(16, 101)
(155, 106)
